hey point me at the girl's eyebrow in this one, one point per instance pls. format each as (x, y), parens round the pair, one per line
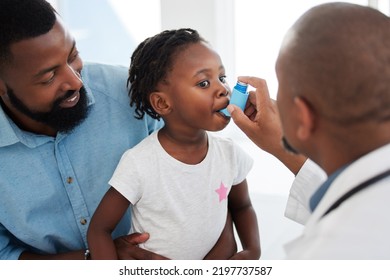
(205, 70)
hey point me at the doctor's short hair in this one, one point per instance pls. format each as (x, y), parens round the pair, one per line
(151, 62)
(21, 20)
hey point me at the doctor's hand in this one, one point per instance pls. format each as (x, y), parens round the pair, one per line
(260, 121)
(127, 248)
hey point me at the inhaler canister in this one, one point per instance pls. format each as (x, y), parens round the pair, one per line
(239, 96)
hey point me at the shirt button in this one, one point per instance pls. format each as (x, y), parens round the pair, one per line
(83, 221)
(69, 180)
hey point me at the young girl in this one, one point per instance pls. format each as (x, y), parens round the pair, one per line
(180, 180)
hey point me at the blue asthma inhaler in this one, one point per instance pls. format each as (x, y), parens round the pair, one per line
(239, 97)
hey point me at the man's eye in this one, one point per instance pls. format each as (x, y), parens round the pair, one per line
(73, 57)
(49, 80)
(204, 84)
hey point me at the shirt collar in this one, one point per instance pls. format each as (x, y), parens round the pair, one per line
(320, 192)
(11, 133)
(7, 135)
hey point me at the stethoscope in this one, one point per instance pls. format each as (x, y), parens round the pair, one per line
(357, 189)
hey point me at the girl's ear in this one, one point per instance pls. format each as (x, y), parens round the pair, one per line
(160, 103)
(305, 118)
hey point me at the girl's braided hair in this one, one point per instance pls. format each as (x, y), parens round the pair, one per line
(150, 64)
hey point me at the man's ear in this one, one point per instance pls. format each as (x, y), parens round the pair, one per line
(160, 103)
(305, 118)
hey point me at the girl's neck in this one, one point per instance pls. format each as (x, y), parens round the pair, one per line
(185, 147)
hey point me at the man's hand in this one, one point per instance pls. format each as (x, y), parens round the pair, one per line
(261, 123)
(127, 248)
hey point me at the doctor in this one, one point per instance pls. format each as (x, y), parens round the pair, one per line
(334, 107)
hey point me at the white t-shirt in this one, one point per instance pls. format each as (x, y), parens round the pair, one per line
(182, 206)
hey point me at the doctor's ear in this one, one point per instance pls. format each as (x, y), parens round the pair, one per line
(305, 118)
(160, 102)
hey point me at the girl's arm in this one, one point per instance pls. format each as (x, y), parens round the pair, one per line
(245, 220)
(107, 215)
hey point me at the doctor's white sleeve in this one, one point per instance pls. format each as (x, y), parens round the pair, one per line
(306, 182)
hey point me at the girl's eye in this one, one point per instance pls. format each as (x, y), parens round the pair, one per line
(223, 79)
(204, 84)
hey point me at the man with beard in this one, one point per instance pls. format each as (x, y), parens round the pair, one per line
(63, 129)
(334, 103)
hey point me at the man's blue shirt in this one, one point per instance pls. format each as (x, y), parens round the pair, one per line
(50, 186)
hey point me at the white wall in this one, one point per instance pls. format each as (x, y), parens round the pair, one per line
(213, 19)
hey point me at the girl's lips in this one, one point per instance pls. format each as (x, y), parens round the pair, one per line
(223, 114)
(71, 101)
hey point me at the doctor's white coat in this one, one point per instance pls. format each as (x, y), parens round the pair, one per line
(359, 228)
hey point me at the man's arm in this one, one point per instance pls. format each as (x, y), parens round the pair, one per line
(101, 244)
(74, 255)
(261, 123)
(126, 246)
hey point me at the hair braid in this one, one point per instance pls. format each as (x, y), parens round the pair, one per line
(150, 63)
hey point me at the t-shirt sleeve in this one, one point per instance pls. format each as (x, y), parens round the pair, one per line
(244, 164)
(127, 179)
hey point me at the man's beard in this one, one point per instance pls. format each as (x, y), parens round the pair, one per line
(61, 119)
(288, 147)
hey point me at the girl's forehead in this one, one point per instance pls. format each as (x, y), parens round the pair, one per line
(193, 49)
(195, 55)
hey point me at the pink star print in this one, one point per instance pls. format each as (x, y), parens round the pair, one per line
(222, 192)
